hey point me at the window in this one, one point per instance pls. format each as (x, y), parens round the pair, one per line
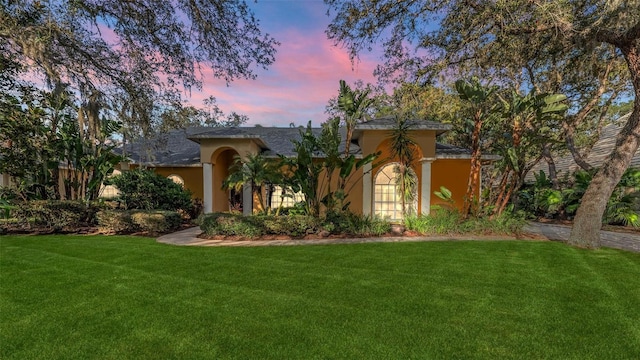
(176, 179)
(289, 200)
(110, 191)
(387, 202)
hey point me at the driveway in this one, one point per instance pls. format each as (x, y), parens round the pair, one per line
(617, 240)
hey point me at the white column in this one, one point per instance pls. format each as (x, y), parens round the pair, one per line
(207, 183)
(247, 200)
(425, 188)
(366, 189)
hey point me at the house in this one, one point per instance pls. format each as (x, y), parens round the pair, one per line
(199, 158)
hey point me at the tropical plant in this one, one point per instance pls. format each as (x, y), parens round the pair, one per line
(344, 167)
(403, 149)
(304, 169)
(481, 110)
(445, 195)
(526, 125)
(353, 103)
(256, 171)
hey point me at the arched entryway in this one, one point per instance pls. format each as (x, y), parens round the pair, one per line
(224, 200)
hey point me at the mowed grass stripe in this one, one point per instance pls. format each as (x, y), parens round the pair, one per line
(123, 297)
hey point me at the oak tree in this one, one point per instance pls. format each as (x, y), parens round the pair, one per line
(515, 41)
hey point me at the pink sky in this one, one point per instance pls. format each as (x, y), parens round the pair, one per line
(305, 75)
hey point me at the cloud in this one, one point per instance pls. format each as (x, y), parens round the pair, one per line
(296, 88)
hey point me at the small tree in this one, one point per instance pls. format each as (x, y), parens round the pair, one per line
(255, 170)
(144, 189)
(481, 110)
(403, 148)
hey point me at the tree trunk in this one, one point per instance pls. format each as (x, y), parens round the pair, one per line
(577, 157)
(553, 173)
(588, 220)
(474, 173)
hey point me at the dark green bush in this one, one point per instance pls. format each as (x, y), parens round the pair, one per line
(355, 224)
(292, 225)
(146, 190)
(55, 215)
(230, 224)
(129, 221)
(253, 226)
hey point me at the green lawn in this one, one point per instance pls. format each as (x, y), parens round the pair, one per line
(66, 297)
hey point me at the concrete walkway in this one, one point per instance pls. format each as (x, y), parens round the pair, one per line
(189, 237)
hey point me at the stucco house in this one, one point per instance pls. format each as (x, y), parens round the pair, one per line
(200, 157)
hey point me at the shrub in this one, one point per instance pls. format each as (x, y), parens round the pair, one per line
(355, 224)
(440, 221)
(292, 225)
(144, 189)
(56, 215)
(115, 222)
(444, 221)
(128, 221)
(156, 221)
(253, 226)
(230, 224)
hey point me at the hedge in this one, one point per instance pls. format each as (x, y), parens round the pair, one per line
(55, 215)
(130, 221)
(228, 224)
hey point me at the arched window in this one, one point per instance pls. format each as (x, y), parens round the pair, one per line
(176, 179)
(387, 202)
(289, 200)
(110, 191)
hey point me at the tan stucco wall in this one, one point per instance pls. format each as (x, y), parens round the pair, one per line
(353, 189)
(210, 148)
(452, 174)
(192, 177)
(369, 141)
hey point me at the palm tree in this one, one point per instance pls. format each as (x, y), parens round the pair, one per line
(255, 170)
(353, 103)
(403, 149)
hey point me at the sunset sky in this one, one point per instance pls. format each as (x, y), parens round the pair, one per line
(306, 73)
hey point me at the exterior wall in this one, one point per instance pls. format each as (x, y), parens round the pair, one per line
(192, 177)
(353, 188)
(452, 174)
(210, 148)
(426, 140)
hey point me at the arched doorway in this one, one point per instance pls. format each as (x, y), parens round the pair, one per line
(224, 200)
(387, 201)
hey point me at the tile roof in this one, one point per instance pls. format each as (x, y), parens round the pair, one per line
(597, 156)
(169, 149)
(181, 148)
(389, 122)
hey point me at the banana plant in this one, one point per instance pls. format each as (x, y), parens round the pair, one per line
(354, 104)
(482, 109)
(523, 121)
